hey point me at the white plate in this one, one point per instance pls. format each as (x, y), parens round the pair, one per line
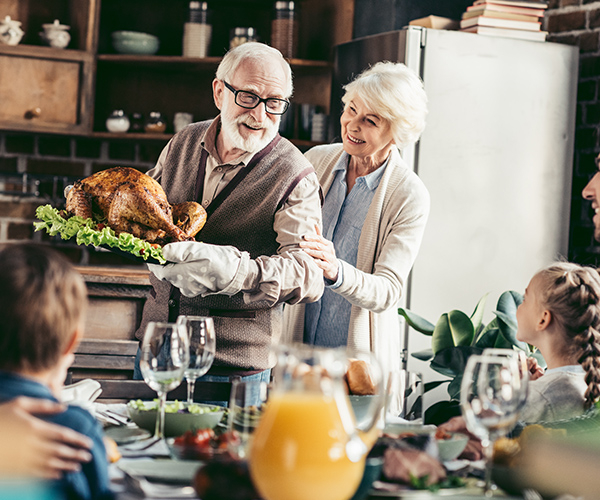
(126, 435)
(161, 470)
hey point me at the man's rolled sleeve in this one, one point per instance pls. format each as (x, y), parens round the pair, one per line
(292, 275)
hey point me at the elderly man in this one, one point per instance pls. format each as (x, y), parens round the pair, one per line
(261, 196)
(591, 192)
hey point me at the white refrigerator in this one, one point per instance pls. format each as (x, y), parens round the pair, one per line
(496, 156)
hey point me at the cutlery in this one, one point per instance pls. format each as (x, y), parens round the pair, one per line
(145, 445)
(138, 484)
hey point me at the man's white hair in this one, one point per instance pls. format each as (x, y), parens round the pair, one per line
(253, 51)
(395, 93)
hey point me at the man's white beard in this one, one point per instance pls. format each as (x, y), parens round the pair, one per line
(253, 143)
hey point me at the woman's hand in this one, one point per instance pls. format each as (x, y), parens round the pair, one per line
(33, 447)
(323, 252)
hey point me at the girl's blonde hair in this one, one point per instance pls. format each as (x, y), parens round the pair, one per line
(572, 294)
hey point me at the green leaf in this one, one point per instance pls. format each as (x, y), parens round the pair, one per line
(425, 355)
(454, 387)
(417, 322)
(477, 316)
(452, 329)
(452, 361)
(507, 307)
(488, 337)
(502, 342)
(441, 412)
(429, 386)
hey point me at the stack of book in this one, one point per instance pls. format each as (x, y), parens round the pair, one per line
(505, 18)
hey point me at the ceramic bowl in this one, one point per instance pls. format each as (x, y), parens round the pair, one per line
(133, 42)
(452, 447)
(175, 423)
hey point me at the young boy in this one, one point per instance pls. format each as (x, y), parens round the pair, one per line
(42, 305)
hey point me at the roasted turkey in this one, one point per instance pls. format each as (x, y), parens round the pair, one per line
(128, 201)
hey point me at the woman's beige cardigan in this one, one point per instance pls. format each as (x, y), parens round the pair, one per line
(388, 246)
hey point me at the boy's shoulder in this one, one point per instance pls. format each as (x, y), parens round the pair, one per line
(78, 419)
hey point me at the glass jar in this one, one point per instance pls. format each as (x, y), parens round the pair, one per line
(197, 32)
(156, 123)
(240, 35)
(117, 121)
(284, 29)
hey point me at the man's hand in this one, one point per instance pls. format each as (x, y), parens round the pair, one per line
(33, 447)
(203, 269)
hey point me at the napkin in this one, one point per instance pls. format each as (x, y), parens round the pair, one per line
(82, 393)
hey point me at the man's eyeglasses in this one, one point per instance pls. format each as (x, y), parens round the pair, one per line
(248, 100)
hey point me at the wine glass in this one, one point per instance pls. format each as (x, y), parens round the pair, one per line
(164, 357)
(203, 341)
(490, 398)
(521, 359)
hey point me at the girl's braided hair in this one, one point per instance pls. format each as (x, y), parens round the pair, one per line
(572, 294)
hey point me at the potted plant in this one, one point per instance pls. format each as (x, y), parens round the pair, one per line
(456, 336)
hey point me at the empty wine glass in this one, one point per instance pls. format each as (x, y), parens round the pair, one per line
(203, 341)
(490, 398)
(164, 357)
(521, 359)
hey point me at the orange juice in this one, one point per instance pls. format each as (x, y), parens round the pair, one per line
(298, 450)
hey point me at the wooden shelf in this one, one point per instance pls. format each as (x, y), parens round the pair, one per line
(46, 53)
(194, 61)
(132, 136)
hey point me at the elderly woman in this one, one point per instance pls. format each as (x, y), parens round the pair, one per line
(374, 216)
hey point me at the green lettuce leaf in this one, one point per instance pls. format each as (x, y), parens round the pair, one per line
(86, 232)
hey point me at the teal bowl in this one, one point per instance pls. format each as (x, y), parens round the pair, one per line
(177, 423)
(133, 42)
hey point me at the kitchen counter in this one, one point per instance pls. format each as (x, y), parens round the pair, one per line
(116, 299)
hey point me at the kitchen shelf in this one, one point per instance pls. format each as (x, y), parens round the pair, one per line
(46, 53)
(304, 144)
(76, 89)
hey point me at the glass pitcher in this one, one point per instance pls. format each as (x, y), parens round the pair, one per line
(308, 444)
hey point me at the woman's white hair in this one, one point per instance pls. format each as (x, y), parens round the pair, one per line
(396, 94)
(252, 51)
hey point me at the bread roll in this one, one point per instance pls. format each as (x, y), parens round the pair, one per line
(359, 379)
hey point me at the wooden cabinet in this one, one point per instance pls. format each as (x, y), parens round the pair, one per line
(72, 91)
(42, 88)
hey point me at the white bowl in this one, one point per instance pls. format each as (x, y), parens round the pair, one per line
(452, 447)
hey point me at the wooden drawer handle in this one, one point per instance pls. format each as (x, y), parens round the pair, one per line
(33, 113)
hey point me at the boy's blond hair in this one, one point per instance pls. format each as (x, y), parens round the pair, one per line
(42, 303)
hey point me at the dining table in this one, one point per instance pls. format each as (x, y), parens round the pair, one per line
(146, 469)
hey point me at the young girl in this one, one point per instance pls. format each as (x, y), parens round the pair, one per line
(560, 315)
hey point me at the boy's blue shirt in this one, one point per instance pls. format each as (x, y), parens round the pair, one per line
(91, 482)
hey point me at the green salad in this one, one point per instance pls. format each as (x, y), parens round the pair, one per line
(87, 232)
(173, 407)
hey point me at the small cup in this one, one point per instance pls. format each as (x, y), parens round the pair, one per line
(245, 409)
(404, 397)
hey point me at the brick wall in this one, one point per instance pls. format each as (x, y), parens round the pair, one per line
(577, 22)
(34, 169)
